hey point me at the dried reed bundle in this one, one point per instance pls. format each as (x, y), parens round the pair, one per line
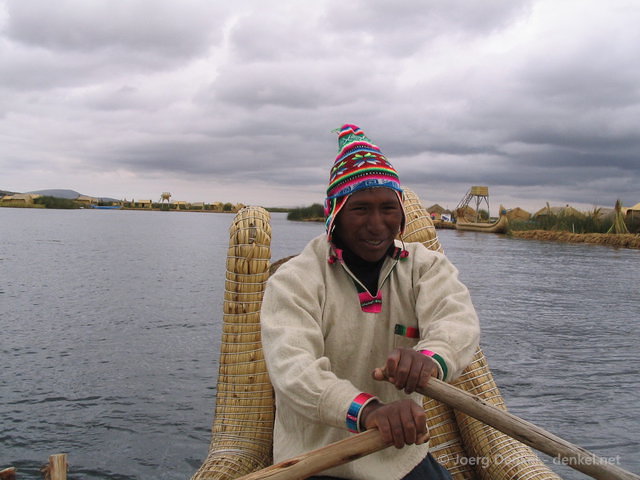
(419, 226)
(242, 432)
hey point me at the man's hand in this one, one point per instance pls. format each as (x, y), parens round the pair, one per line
(407, 369)
(402, 422)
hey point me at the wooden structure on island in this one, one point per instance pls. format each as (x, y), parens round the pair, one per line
(477, 195)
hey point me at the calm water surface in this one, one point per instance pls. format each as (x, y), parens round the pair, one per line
(110, 322)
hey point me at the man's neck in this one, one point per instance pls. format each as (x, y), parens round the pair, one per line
(366, 272)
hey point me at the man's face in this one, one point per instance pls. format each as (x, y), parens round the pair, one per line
(369, 222)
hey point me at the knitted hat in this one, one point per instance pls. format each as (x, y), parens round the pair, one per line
(359, 165)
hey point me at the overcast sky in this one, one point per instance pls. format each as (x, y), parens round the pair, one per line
(236, 101)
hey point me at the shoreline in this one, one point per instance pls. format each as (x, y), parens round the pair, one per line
(627, 240)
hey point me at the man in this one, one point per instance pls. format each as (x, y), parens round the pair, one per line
(357, 321)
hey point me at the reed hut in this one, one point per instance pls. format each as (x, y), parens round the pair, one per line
(436, 211)
(19, 199)
(87, 200)
(632, 212)
(465, 213)
(518, 214)
(566, 211)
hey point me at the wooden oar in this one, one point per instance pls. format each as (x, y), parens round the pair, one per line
(527, 433)
(363, 444)
(316, 461)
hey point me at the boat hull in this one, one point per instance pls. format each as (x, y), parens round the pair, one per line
(499, 226)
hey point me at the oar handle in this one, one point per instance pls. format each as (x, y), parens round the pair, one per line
(527, 433)
(316, 461)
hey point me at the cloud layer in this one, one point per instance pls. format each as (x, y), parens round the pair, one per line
(540, 100)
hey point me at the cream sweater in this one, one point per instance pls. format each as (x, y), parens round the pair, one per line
(321, 347)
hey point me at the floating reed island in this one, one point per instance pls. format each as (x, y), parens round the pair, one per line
(627, 240)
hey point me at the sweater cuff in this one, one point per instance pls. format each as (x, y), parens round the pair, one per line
(442, 365)
(355, 410)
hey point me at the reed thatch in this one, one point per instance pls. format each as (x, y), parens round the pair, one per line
(518, 214)
(566, 211)
(244, 413)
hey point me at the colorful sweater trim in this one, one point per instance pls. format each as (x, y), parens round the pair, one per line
(440, 360)
(355, 409)
(409, 332)
(368, 302)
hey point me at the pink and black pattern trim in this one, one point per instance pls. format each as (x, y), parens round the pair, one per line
(369, 303)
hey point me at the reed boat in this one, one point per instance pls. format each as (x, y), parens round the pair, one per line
(499, 226)
(241, 440)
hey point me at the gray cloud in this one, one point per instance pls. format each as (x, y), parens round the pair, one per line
(538, 100)
(158, 27)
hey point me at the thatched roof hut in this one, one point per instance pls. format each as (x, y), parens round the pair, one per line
(18, 199)
(635, 208)
(87, 200)
(518, 214)
(465, 213)
(436, 211)
(435, 208)
(567, 211)
(633, 212)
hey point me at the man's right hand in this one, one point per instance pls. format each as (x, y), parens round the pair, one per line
(402, 422)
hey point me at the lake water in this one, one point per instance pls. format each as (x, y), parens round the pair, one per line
(110, 322)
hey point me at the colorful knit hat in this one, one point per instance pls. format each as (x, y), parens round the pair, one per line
(359, 165)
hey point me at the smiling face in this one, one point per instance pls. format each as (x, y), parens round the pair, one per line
(369, 222)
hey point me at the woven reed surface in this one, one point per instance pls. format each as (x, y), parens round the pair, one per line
(419, 227)
(242, 432)
(497, 456)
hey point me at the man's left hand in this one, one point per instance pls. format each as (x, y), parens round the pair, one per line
(407, 369)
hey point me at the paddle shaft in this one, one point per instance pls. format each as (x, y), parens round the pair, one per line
(363, 444)
(527, 433)
(316, 461)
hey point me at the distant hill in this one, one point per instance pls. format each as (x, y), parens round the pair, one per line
(70, 194)
(58, 193)
(6, 192)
